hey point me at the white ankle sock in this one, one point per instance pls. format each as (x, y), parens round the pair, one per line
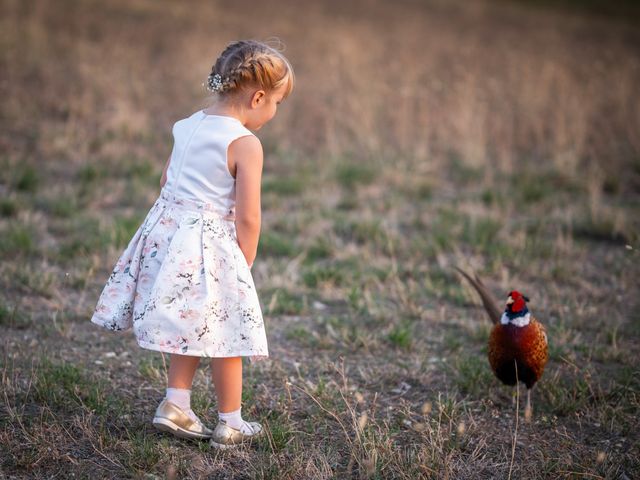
(182, 398)
(234, 420)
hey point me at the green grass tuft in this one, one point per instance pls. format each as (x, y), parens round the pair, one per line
(88, 174)
(283, 302)
(564, 395)
(472, 374)
(275, 245)
(124, 228)
(316, 275)
(142, 169)
(83, 236)
(28, 179)
(301, 335)
(8, 207)
(360, 232)
(350, 175)
(446, 285)
(143, 450)
(62, 206)
(289, 186)
(492, 197)
(64, 386)
(320, 249)
(482, 234)
(602, 229)
(11, 317)
(278, 433)
(17, 240)
(152, 368)
(401, 336)
(460, 172)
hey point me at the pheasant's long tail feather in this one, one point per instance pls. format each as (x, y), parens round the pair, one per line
(490, 305)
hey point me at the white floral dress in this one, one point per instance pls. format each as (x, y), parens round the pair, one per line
(183, 283)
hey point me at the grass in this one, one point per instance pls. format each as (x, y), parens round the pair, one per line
(317, 275)
(284, 302)
(400, 336)
(566, 396)
(276, 245)
(152, 368)
(27, 179)
(89, 174)
(359, 232)
(63, 207)
(65, 387)
(472, 374)
(86, 236)
(142, 452)
(602, 230)
(301, 335)
(486, 142)
(443, 284)
(283, 186)
(8, 207)
(124, 228)
(320, 249)
(12, 317)
(278, 433)
(17, 240)
(350, 175)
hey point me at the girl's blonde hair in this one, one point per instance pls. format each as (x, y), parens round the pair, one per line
(249, 63)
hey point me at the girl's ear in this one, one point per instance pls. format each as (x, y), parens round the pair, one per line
(257, 98)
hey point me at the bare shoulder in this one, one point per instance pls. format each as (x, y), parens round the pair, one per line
(244, 152)
(246, 149)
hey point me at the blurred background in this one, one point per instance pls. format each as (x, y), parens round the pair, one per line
(504, 86)
(502, 136)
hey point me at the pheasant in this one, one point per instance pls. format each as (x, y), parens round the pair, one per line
(518, 342)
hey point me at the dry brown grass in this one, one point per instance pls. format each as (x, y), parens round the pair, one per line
(421, 135)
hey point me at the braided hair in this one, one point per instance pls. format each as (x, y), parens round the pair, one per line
(249, 63)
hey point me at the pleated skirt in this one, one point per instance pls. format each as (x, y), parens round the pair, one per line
(184, 286)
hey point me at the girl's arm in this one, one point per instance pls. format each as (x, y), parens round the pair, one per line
(163, 179)
(246, 154)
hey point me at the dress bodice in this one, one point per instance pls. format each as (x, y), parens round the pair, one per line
(198, 169)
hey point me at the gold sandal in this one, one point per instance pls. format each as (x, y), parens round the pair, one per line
(225, 436)
(171, 418)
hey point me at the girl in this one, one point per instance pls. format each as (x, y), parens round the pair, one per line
(184, 282)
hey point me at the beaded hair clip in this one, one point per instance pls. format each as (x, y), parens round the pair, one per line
(214, 83)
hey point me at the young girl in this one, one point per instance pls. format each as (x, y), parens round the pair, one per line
(184, 282)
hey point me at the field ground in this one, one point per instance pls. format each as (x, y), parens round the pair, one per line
(497, 136)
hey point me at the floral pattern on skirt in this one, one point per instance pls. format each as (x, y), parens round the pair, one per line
(184, 285)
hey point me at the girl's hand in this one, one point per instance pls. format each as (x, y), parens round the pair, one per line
(246, 154)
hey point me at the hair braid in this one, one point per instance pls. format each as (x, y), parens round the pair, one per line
(248, 63)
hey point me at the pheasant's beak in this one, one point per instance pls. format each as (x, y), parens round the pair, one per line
(509, 300)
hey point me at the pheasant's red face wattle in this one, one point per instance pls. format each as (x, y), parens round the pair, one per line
(517, 303)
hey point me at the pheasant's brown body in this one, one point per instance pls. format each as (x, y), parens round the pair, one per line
(518, 343)
(526, 347)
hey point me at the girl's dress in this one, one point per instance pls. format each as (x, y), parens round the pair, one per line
(183, 283)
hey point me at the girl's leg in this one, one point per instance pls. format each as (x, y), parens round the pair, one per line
(226, 374)
(182, 369)
(227, 377)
